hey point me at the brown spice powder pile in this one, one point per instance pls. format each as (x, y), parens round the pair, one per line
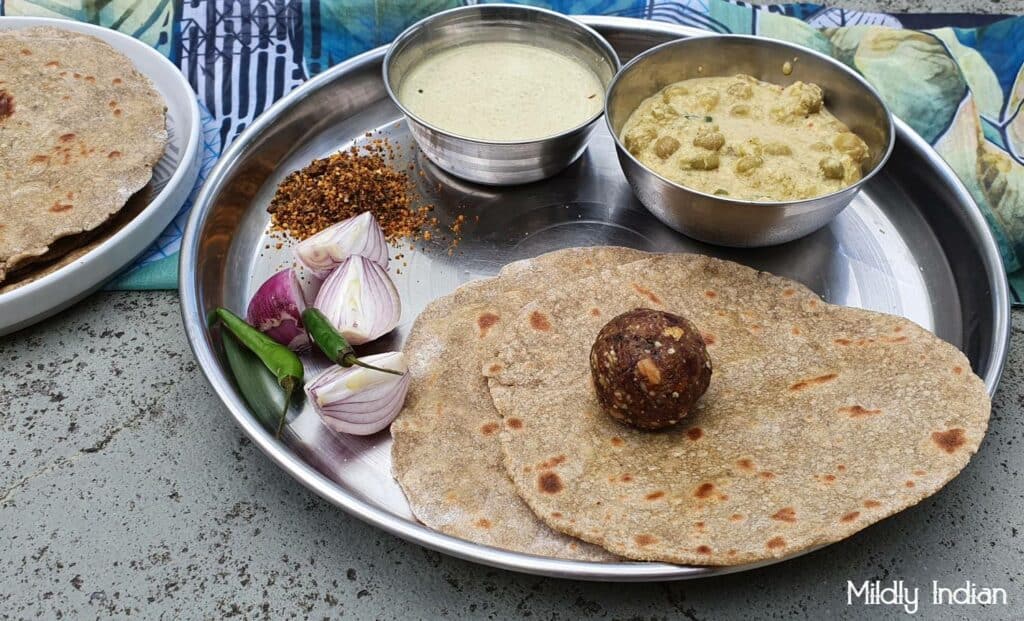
(344, 185)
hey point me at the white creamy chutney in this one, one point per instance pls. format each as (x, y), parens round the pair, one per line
(502, 91)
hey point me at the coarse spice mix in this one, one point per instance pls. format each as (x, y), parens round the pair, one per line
(346, 184)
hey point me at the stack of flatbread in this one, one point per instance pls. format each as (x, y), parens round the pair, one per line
(819, 419)
(80, 132)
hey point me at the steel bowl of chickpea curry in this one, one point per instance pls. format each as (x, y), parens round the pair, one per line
(743, 141)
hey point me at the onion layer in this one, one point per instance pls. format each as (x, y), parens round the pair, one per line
(276, 310)
(357, 400)
(357, 236)
(360, 300)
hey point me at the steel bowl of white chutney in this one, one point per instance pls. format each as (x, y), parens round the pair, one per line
(718, 217)
(500, 94)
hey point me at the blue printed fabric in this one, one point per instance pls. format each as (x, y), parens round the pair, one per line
(956, 79)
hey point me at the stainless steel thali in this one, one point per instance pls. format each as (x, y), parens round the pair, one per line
(912, 243)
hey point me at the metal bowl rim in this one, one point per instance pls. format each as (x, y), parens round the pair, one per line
(195, 328)
(736, 202)
(607, 50)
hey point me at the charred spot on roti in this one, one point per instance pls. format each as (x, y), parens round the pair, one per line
(113, 155)
(920, 472)
(710, 294)
(829, 478)
(745, 464)
(26, 52)
(731, 552)
(736, 517)
(40, 159)
(766, 475)
(59, 207)
(871, 504)
(53, 63)
(950, 440)
(895, 339)
(595, 312)
(6, 105)
(539, 321)
(841, 468)
(958, 370)
(557, 460)
(655, 495)
(842, 341)
(116, 81)
(515, 423)
(626, 478)
(556, 514)
(709, 338)
(858, 411)
(117, 112)
(849, 517)
(703, 549)
(485, 322)
(647, 293)
(489, 428)
(644, 540)
(813, 381)
(694, 433)
(785, 514)
(549, 483)
(616, 441)
(795, 330)
(704, 490)
(788, 292)
(908, 484)
(775, 543)
(700, 526)
(482, 523)
(90, 79)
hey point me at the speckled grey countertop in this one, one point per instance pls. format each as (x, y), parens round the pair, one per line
(127, 489)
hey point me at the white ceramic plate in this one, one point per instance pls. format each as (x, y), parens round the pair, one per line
(173, 178)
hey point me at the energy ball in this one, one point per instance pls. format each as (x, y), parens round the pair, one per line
(649, 368)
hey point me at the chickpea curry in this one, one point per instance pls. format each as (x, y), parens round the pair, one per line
(746, 139)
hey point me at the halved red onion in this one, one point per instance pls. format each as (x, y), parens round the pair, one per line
(358, 400)
(309, 282)
(276, 310)
(360, 300)
(357, 236)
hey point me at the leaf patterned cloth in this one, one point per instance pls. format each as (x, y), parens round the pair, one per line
(957, 80)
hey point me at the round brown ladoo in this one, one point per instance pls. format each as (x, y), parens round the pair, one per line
(649, 367)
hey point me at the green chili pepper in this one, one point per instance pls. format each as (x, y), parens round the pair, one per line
(332, 343)
(281, 361)
(255, 381)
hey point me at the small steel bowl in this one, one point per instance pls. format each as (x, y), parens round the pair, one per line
(494, 162)
(719, 219)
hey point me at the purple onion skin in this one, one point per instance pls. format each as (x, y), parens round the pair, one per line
(276, 310)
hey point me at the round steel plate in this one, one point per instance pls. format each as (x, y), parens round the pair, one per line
(912, 243)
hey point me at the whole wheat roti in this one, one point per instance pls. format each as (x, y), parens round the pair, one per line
(80, 131)
(446, 454)
(819, 419)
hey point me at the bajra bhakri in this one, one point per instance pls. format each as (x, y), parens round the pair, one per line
(446, 454)
(80, 132)
(819, 420)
